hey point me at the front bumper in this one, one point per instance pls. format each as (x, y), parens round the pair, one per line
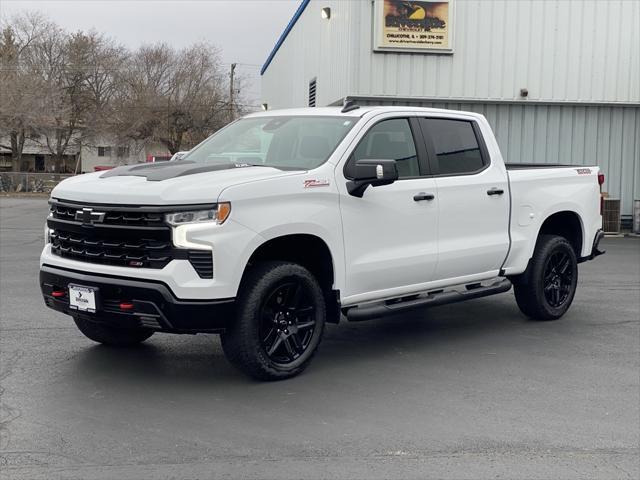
(154, 306)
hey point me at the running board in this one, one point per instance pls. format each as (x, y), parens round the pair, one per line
(432, 299)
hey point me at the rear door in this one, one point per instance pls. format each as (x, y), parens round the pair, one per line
(390, 234)
(473, 199)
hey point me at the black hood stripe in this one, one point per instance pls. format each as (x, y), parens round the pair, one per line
(156, 172)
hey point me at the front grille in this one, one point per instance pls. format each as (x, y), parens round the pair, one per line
(134, 237)
(144, 252)
(119, 217)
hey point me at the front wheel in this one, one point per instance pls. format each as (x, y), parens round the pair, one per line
(279, 323)
(546, 289)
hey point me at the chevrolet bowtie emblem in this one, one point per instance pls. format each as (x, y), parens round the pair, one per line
(88, 217)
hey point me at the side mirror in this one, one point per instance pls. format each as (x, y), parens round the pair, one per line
(371, 172)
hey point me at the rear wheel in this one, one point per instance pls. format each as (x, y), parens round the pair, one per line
(118, 337)
(546, 289)
(279, 323)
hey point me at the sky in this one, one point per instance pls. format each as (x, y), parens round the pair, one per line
(244, 30)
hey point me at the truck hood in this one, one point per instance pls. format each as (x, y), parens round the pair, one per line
(179, 183)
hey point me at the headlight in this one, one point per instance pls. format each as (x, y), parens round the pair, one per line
(218, 214)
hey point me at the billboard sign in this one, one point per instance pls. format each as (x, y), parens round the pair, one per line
(420, 26)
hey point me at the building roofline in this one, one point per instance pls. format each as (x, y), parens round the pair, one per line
(284, 34)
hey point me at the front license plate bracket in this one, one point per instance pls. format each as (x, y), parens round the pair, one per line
(83, 298)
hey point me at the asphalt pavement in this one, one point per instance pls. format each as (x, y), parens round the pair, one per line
(472, 390)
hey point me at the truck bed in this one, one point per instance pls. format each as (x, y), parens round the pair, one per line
(542, 189)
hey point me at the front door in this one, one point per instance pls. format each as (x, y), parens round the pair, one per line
(473, 200)
(39, 163)
(390, 234)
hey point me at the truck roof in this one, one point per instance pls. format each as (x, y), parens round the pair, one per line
(359, 112)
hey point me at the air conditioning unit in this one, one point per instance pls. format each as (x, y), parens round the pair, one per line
(611, 215)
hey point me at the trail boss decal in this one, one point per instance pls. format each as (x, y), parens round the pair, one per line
(583, 171)
(323, 182)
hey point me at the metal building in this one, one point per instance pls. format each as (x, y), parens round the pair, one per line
(559, 80)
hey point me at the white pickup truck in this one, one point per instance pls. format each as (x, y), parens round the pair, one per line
(283, 220)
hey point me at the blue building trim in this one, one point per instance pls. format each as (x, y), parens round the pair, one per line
(282, 38)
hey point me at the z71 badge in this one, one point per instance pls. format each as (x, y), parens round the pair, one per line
(583, 171)
(316, 183)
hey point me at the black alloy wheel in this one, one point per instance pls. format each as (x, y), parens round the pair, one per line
(558, 278)
(547, 287)
(280, 315)
(288, 322)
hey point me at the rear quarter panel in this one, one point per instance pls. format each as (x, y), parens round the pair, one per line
(538, 193)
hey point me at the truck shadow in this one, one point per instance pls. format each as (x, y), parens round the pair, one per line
(449, 327)
(172, 361)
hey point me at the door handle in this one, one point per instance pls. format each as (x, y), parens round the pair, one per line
(423, 196)
(495, 191)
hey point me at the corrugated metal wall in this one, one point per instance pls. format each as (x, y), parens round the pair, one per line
(579, 135)
(314, 48)
(560, 50)
(579, 60)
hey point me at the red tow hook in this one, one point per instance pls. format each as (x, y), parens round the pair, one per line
(58, 293)
(126, 306)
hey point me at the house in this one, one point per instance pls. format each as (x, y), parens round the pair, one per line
(37, 158)
(108, 152)
(103, 151)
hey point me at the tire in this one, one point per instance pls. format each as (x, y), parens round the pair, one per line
(546, 289)
(280, 319)
(116, 337)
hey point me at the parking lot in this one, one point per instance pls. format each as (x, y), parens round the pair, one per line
(472, 390)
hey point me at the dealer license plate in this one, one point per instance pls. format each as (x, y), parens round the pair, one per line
(82, 298)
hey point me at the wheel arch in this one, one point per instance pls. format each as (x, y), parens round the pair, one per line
(567, 224)
(308, 250)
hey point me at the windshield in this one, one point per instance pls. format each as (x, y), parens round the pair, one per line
(286, 142)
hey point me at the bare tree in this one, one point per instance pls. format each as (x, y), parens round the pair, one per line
(105, 60)
(19, 88)
(174, 97)
(78, 74)
(57, 121)
(64, 90)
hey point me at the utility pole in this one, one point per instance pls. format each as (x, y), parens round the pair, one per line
(232, 105)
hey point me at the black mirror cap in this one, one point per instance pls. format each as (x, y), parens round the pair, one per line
(371, 172)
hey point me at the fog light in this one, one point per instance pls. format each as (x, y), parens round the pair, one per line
(126, 306)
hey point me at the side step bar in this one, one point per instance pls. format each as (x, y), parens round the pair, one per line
(476, 290)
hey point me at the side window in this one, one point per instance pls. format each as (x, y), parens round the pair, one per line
(389, 139)
(455, 144)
